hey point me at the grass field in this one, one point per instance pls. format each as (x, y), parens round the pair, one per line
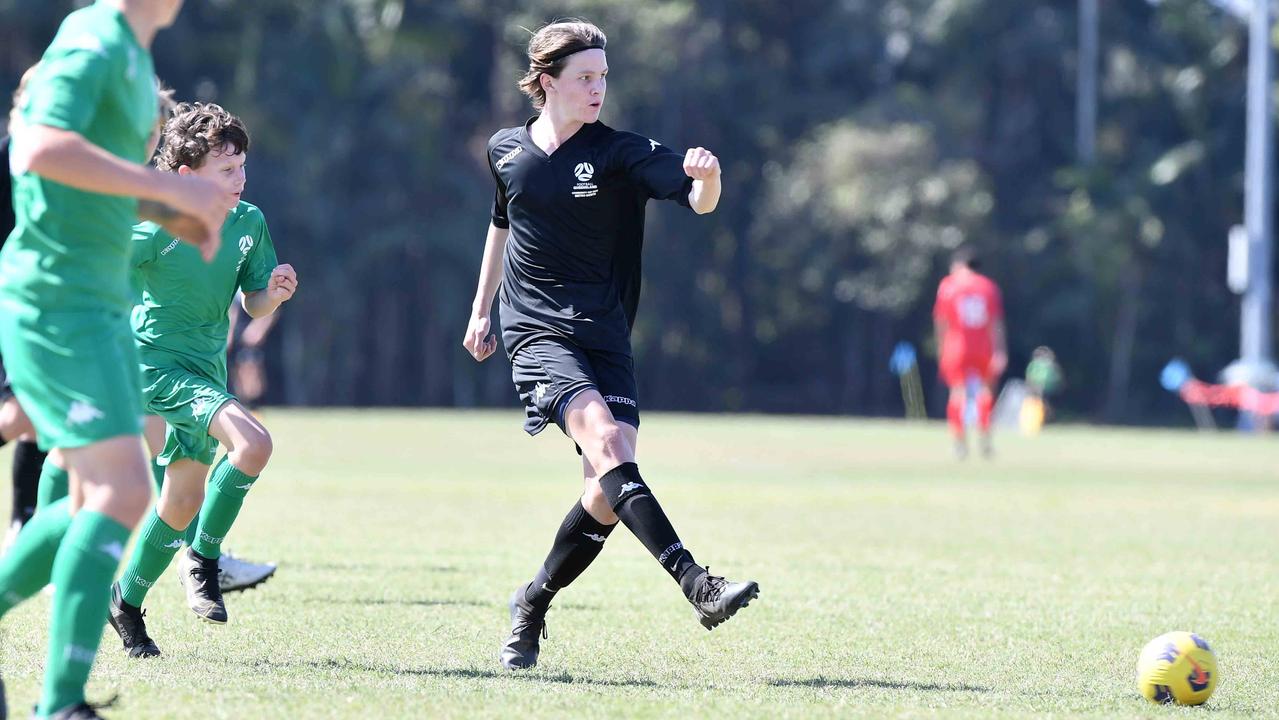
(896, 582)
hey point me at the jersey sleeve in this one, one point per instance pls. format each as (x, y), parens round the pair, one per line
(256, 273)
(498, 214)
(653, 167)
(66, 88)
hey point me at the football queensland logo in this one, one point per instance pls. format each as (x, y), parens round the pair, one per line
(246, 244)
(584, 188)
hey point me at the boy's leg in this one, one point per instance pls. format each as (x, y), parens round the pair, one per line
(111, 478)
(249, 448)
(159, 540)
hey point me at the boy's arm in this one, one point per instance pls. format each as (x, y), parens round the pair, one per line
(66, 157)
(283, 283)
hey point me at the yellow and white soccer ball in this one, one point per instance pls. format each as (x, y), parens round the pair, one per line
(1177, 667)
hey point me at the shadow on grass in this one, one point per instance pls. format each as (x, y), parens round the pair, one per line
(406, 602)
(822, 682)
(375, 567)
(332, 664)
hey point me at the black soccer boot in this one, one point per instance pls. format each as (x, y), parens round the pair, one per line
(83, 711)
(128, 623)
(528, 627)
(199, 577)
(716, 599)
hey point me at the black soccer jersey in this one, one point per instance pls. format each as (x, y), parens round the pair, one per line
(576, 219)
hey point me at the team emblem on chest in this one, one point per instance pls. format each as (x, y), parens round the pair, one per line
(584, 188)
(246, 244)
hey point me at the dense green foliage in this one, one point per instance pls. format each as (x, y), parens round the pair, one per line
(861, 141)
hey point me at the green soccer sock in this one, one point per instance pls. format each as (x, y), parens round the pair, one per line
(53, 485)
(222, 502)
(157, 544)
(85, 565)
(29, 563)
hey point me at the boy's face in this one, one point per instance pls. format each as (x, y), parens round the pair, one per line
(225, 168)
(580, 88)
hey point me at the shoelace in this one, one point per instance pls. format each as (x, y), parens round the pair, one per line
(712, 587)
(139, 636)
(201, 573)
(531, 621)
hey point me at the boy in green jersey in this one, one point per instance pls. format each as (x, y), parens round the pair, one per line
(79, 181)
(181, 330)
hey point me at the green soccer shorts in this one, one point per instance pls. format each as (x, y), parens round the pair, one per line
(187, 402)
(75, 373)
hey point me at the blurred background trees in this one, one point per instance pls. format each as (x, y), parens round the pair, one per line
(862, 140)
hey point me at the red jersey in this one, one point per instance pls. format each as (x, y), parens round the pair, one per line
(970, 304)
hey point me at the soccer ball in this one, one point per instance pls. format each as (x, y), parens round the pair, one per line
(1177, 667)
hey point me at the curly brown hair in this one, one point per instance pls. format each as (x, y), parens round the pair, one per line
(197, 129)
(549, 50)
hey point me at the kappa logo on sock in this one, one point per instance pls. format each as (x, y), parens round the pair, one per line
(143, 582)
(174, 545)
(210, 539)
(76, 653)
(114, 549)
(246, 486)
(627, 487)
(596, 538)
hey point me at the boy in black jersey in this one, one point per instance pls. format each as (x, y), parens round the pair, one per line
(564, 244)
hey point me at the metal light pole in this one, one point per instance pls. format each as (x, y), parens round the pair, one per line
(1086, 84)
(1255, 366)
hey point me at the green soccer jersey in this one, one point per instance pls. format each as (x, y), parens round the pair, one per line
(69, 250)
(183, 316)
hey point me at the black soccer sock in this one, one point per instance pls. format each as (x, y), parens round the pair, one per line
(642, 514)
(28, 459)
(578, 542)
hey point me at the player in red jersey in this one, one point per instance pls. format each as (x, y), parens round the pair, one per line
(969, 318)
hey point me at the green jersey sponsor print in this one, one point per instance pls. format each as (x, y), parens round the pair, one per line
(69, 250)
(182, 320)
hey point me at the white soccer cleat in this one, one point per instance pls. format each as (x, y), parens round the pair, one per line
(236, 574)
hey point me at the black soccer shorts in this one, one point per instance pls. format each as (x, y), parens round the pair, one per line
(549, 372)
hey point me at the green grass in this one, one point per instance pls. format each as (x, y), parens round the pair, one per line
(896, 582)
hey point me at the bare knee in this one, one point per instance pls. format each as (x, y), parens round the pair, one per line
(178, 506)
(610, 443)
(251, 456)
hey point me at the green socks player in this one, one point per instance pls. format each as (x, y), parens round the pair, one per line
(79, 555)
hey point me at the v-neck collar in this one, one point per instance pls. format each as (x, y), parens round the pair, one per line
(527, 137)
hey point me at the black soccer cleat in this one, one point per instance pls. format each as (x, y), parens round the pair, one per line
(199, 577)
(128, 623)
(83, 711)
(716, 599)
(528, 628)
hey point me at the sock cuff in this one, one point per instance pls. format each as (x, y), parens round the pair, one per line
(228, 479)
(51, 469)
(623, 483)
(98, 534)
(579, 520)
(161, 535)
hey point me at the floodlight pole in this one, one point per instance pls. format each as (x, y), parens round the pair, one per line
(1086, 84)
(1255, 366)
